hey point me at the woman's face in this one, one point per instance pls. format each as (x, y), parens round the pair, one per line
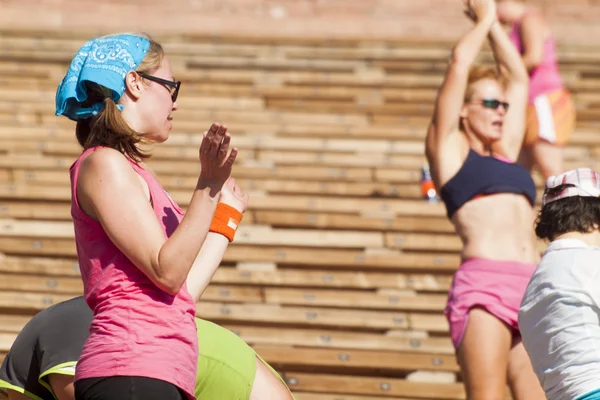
(156, 105)
(484, 112)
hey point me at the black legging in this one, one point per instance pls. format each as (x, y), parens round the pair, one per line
(126, 388)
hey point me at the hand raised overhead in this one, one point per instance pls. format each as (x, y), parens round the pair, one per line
(481, 10)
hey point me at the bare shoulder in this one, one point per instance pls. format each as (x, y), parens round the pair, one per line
(105, 163)
(107, 170)
(107, 181)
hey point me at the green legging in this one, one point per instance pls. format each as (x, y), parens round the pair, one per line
(226, 364)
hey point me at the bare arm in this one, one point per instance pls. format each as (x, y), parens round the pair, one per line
(213, 249)
(507, 56)
(517, 81)
(451, 95)
(110, 191)
(206, 263)
(533, 37)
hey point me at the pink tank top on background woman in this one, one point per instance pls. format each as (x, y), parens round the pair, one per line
(138, 329)
(545, 78)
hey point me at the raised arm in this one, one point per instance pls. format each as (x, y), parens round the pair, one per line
(516, 76)
(451, 95)
(213, 249)
(533, 35)
(110, 191)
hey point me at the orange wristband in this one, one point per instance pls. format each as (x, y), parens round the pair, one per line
(226, 221)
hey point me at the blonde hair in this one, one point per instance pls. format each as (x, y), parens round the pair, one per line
(109, 128)
(479, 73)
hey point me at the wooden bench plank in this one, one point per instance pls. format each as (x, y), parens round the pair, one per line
(355, 359)
(35, 210)
(319, 317)
(326, 396)
(28, 283)
(30, 301)
(342, 339)
(373, 386)
(367, 221)
(6, 341)
(381, 259)
(265, 235)
(395, 299)
(333, 279)
(176, 182)
(13, 323)
(400, 207)
(348, 160)
(37, 293)
(40, 266)
(186, 145)
(256, 234)
(281, 277)
(305, 337)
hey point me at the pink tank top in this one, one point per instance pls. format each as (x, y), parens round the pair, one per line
(138, 329)
(545, 78)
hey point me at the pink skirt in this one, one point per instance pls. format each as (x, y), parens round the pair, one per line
(496, 286)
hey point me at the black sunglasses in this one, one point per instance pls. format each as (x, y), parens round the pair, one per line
(172, 86)
(494, 104)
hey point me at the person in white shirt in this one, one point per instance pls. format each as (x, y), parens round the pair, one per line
(559, 318)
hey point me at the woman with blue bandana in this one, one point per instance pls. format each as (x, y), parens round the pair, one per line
(135, 246)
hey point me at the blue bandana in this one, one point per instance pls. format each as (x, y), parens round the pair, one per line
(105, 61)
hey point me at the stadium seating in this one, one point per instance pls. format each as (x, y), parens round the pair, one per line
(339, 273)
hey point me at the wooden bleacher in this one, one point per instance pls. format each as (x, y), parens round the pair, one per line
(340, 271)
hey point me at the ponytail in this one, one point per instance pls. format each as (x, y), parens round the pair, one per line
(109, 129)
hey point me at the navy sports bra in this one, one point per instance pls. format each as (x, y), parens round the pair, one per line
(481, 175)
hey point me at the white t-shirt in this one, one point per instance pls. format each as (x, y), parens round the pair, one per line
(559, 319)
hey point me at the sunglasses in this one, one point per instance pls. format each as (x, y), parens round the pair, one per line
(494, 104)
(172, 86)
